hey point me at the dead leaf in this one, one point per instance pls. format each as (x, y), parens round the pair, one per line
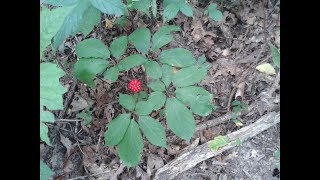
(191, 146)
(266, 68)
(154, 162)
(208, 134)
(78, 103)
(109, 23)
(141, 173)
(198, 32)
(66, 143)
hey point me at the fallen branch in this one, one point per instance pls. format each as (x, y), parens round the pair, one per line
(203, 152)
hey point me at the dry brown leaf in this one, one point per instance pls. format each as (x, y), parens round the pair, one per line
(78, 103)
(154, 162)
(198, 32)
(109, 23)
(66, 143)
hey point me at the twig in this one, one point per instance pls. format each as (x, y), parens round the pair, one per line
(204, 152)
(69, 98)
(244, 75)
(68, 120)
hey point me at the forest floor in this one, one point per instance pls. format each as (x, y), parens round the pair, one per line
(234, 47)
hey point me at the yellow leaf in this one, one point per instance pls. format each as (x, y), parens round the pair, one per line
(266, 68)
(109, 23)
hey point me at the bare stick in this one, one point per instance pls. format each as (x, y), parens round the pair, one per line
(204, 152)
(69, 98)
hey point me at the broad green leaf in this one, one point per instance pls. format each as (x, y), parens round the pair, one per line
(50, 23)
(186, 9)
(71, 23)
(111, 7)
(154, 8)
(119, 46)
(177, 57)
(189, 76)
(131, 145)
(236, 103)
(117, 129)
(92, 48)
(167, 74)
(275, 55)
(46, 116)
(214, 13)
(163, 36)
(179, 119)
(142, 5)
(199, 100)
(266, 68)
(45, 171)
(157, 100)
(218, 142)
(140, 39)
(91, 17)
(44, 133)
(238, 142)
(131, 61)
(51, 90)
(167, 2)
(143, 96)
(112, 74)
(86, 115)
(157, 85)
(170, 12)
(153, 69)
(144, 107)
(60, 2)
(121, 21)
(153, 130)
(203, 63)
(86, 70)
(127, 101)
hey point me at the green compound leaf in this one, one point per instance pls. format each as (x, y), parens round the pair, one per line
(157, 99)
(44, 133)
(170, 12)
(51, 90)
(60, 2)
(153, 130)
(140, 39)
(144, 107)
(153, 69)
(218, 142)
(179, 119)
(112, 74)
(71, 23)
(119, 46)
(199, 100)
(131, 61)
(189, 76)
(157, 85)
(203, 63)
(45, 171)
(177, 57)
(117, 129)
(50, 23)
(163, 36)
(167, 2)
(46, 116)
(127, 101)
(121, 21)
(85, 70)
(91, 17)
(275, 55)
(141, 5)
(154, 7)
(214, 13)
(92, 48)
(186, 9)
(111, 7)
(167, 74)
(131, 145)
(143, 96)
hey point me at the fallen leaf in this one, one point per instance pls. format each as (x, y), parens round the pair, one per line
(154, 162)
(266, 68)
(78, 103)
(141, 173)
(66, 143)
(109, 23)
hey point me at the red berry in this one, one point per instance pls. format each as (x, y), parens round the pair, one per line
(134, 85)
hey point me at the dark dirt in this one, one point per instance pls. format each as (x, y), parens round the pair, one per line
(231, 46)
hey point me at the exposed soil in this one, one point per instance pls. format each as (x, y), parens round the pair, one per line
(231, 46)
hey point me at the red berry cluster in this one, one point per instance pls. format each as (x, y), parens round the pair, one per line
(134, 85)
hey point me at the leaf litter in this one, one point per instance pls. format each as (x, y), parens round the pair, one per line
(231, 46)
